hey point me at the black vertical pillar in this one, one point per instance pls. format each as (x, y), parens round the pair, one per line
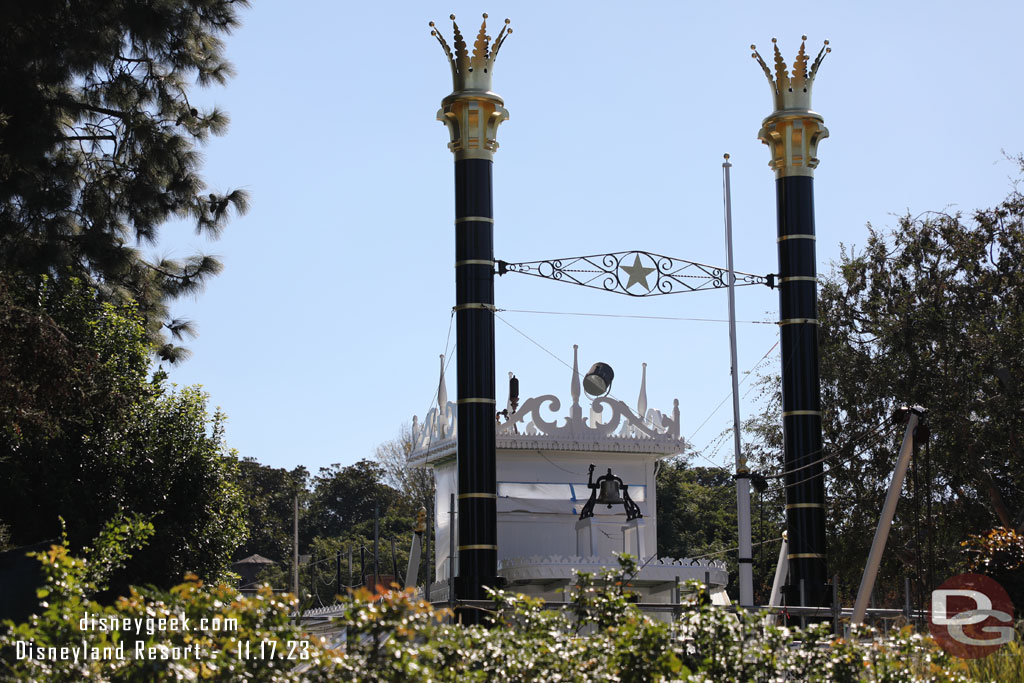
(474, 320)
(473, 113)
(792, 134)
(801, 390)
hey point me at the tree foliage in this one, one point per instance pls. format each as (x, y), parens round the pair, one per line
(86, 434)
(269, 495)
(99, 144)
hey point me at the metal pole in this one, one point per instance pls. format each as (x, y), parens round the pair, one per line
(430, 561)
(742, 476)
(394, 561)
(312, 574)
(337, 575)
(836, 609)
(906, 597)
(362, 565)
(867, 582)
(781, 570)
(376, 546)
(451, 552)
(295, 549)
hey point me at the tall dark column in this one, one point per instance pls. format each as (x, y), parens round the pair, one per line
(472, 113)
(792, 133)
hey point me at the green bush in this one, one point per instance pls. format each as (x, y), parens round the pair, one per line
(396, 637)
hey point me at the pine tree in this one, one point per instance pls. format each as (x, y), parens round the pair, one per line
(98, 145)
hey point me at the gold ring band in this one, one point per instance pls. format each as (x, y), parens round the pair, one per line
(796, 237)
(475, 400)
(799, 321)
(792, 413)
(470, 307)
(798, 278)
(474, 262)
(476, 219)
(797, 506)
(492, 496)
(478, 546)
(806, 556)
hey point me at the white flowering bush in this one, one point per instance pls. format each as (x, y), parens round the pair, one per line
(395, 637)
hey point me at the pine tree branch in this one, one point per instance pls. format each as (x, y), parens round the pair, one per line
(88, 137)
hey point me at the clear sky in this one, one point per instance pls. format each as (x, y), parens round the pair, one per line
(322, 335)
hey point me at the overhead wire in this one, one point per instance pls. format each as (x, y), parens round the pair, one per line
(555, 356)
(730, 550)
(851, 457)
(560, 360)
(634, 317)
(871, 432)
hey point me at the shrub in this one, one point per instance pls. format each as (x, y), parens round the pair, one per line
(396, 637)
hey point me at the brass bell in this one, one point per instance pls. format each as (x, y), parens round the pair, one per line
(610, 493)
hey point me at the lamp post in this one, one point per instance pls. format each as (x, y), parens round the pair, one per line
(792, 133)
(472, 113)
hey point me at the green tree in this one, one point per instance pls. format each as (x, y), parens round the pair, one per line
(344, 498)
(696, 510)
(98, 145)
(269, 495)
(86, 434)
(340, 517)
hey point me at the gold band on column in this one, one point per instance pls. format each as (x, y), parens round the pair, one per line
(477, 306)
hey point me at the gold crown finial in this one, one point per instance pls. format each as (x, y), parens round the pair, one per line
(472, 112)
(793, 130)
(472, 73)
(791, 91)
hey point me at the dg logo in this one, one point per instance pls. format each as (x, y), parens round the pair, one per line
(971, 616)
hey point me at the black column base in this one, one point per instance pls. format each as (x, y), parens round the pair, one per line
(474, 588)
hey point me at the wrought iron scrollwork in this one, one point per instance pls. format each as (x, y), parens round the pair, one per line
(634, 273)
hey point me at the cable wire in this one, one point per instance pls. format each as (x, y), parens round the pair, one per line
(729, 550)
(634, 317)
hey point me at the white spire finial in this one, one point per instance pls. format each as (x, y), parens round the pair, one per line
(442, 390)
(574, 388)
(641, 402)
(442, 399)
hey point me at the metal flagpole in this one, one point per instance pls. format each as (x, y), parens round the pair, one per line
(742, 476)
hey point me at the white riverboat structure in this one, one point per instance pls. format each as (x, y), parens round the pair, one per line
(572, 493)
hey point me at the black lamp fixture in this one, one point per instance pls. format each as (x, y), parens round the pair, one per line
(612, 492)
(598, 382)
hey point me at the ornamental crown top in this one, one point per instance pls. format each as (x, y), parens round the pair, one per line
(472, 73)
(792, 91)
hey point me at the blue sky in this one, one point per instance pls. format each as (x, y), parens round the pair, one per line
(322, 335)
